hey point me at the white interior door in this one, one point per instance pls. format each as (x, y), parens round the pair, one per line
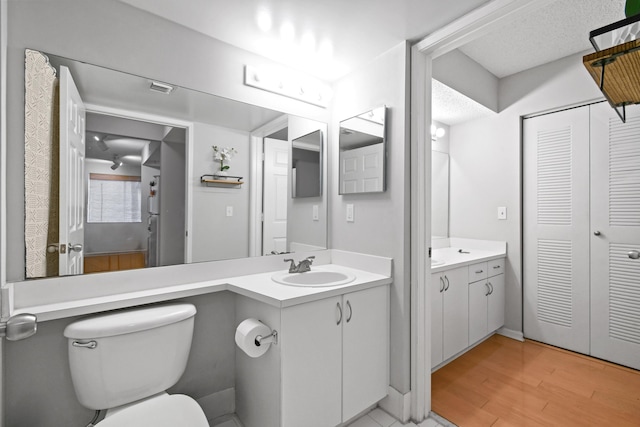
(362, 169)
(556, 229)
(72, 155)
(615, 231)
(276, 172)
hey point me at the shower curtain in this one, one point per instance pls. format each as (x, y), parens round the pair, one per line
(41, 164)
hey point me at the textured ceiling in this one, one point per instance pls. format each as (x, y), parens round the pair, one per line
(549, 33)
(451, 107)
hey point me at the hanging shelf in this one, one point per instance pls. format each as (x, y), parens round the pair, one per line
(221, 180)
(616, 69)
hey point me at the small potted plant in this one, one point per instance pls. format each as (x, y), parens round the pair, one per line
(223, 154)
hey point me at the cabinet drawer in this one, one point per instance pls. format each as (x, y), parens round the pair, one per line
(477, 272)
(495, 267)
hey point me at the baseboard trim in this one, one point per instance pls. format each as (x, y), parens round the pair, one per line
(510, 333)
(218, 404)
(397, 404)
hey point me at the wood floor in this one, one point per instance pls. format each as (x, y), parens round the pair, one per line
(503, 382)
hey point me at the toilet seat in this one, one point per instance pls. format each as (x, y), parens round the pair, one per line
(164, 410)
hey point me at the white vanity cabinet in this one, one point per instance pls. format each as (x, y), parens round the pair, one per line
(486, 299)
(449, 314)
(335, 357)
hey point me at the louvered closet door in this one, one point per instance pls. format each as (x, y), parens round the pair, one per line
(615, 213)
(556, 229)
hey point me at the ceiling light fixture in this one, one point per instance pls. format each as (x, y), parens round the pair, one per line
(161, 87)
(436, 132)
(116, 163)
(102, 145)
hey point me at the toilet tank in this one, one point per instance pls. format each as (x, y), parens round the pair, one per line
(123, 356)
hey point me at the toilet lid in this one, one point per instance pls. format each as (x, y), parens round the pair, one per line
(166, 410)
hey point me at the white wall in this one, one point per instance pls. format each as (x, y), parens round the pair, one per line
(485, 162)
(381, 225)
(219, 236)
(121, 236)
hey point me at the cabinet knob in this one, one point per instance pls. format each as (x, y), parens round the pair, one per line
(596, 233)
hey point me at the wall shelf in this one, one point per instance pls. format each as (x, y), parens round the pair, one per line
(616, 69)
(221, 180)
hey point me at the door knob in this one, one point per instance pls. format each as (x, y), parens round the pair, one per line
(596, 233)
(634, 254)
(75, 248)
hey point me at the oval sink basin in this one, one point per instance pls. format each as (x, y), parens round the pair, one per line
(436, 262)
(313, 278)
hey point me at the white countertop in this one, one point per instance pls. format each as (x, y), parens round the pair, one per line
(473, 251)
(257, 286)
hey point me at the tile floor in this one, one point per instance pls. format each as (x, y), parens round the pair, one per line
(375, 418)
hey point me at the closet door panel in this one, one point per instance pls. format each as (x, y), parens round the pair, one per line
(556, 228)
(615, 226)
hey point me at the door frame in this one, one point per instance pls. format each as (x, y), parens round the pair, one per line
(190, 181)
(471, 26)
(256, 180)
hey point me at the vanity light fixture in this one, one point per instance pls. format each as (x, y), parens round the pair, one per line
(288, 84)
(263, 19)
(161, 87)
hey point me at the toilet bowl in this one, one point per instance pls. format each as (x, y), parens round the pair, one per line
(124, 362)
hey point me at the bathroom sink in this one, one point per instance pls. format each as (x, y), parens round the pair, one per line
(313, 278)
(436, 262)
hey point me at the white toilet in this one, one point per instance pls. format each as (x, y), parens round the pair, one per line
(124, 361)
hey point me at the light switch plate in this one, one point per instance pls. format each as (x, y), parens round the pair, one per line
(229, 210)
(502, 212)
(316, 215)
(349, 213)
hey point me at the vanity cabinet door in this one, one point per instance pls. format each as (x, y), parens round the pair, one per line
(478, 295)
(437, 289)
(311, 340)
(455, 311)
(495, 308)
(365, 350)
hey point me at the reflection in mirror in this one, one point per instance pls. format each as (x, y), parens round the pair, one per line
(439, 194)
(113, 167)
(306, 165)
(363, 153)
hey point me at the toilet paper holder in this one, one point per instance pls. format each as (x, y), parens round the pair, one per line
(272, 338)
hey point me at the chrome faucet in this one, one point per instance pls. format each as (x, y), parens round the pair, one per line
(302, 267)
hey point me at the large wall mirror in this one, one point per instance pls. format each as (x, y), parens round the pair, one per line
(114, 167)
(363, 153)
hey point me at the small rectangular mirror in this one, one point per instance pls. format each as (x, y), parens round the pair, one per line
(363, 153)
(306, 165)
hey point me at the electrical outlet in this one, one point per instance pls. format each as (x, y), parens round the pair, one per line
(502, 212)
(229, 210)
(349, 213)
(316, 215)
